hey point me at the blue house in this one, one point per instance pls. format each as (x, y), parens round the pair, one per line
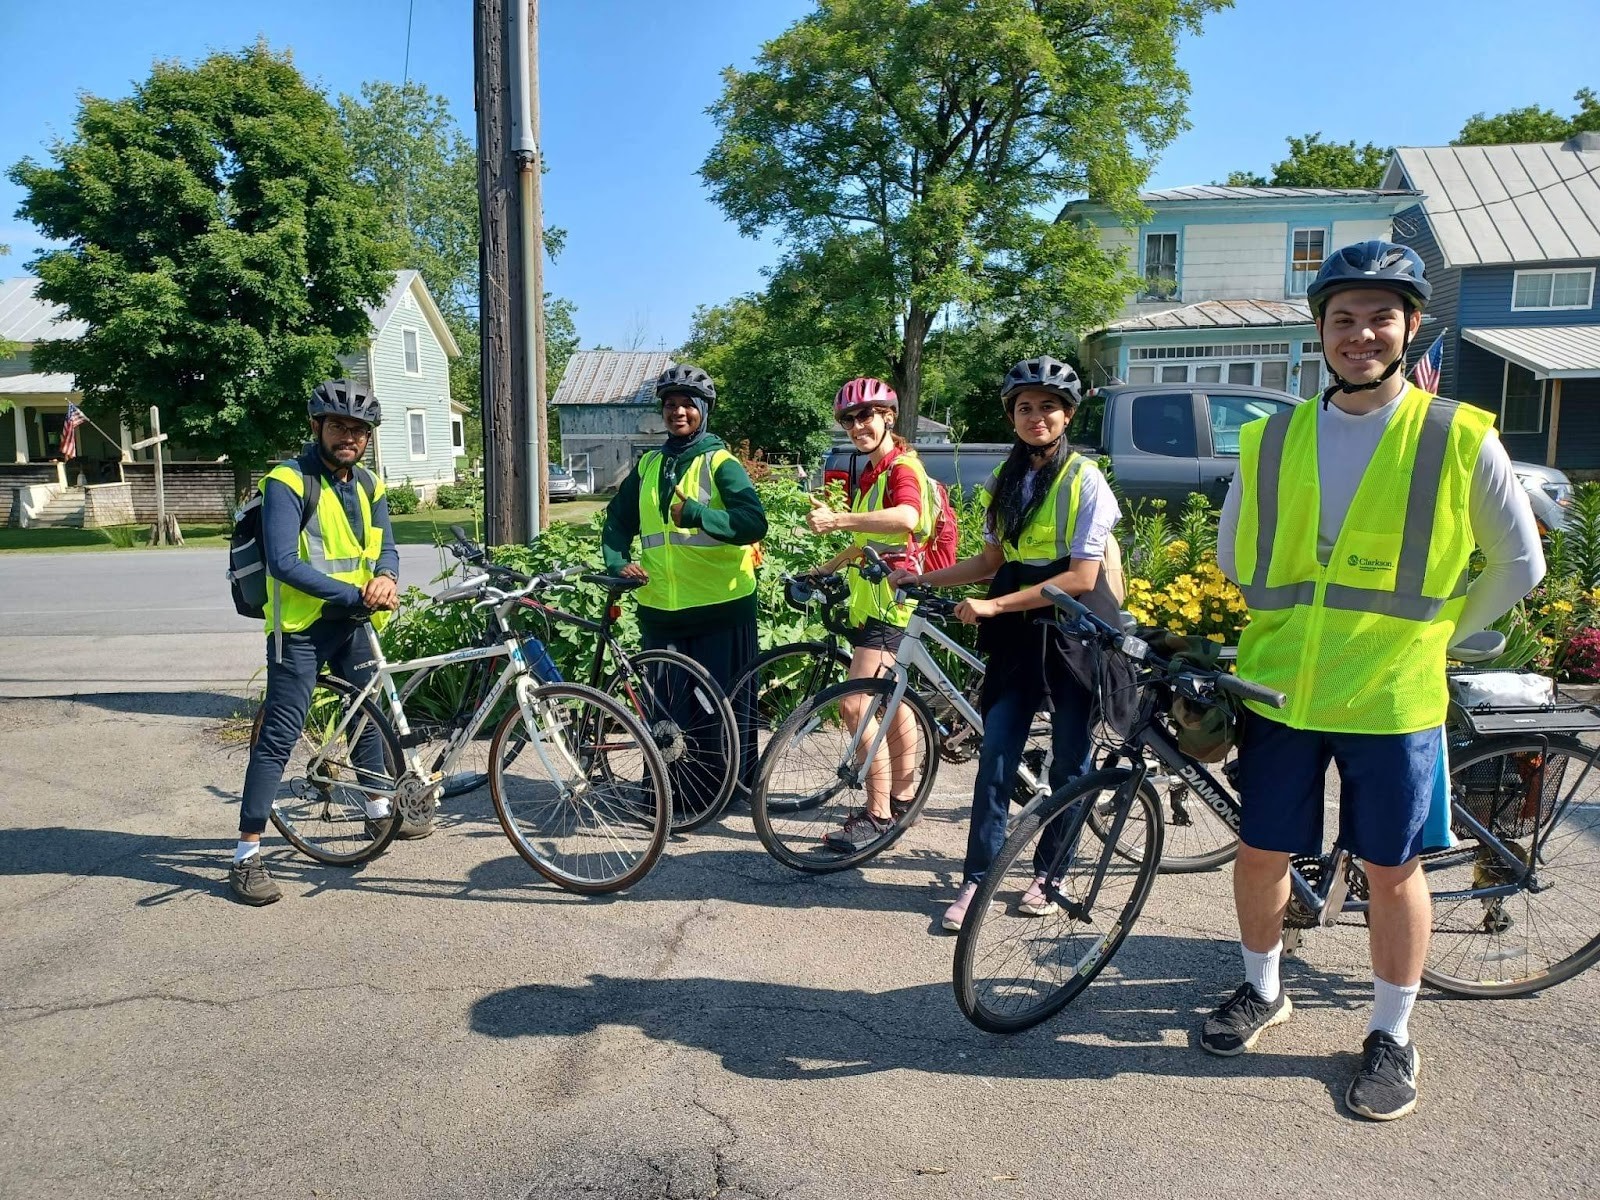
(1510, 236)
(1222, 276)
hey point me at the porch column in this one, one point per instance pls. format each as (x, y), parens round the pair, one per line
(21, 427)
(1555, 422)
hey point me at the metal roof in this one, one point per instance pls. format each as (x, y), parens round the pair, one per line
(405, 281)
(1224, 192)
(37, 384)
(1533, 203)
(1218, 314)
(27, 319)
(1549, 351)
(611, 377)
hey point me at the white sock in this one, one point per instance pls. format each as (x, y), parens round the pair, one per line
(1261, 971)
(1391, 1009)
(244, 850)
(378, 809)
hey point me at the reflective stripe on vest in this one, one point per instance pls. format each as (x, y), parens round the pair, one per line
(1049, 534)
(328, 544)
(688, 568)
(1358, 645)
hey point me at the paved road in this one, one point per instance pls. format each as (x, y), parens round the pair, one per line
(441, 1024)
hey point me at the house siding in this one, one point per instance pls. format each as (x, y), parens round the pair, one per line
(1224, 262)
(1486, 298)
(1444, 306)
(609, 434)
(400, 393)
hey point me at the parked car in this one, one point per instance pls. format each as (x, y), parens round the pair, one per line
(561, 484)
(1550, 492)
(967, 464)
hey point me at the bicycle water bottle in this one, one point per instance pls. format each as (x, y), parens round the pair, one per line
(539, 661)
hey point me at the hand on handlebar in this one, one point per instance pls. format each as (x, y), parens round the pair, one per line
(634, 571)
(381, 592)
(900, 577)
(971, 611)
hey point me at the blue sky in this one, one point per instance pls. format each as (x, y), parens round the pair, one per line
(626, 84)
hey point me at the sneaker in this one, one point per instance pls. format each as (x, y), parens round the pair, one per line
(250, 883)
(956, 914)
(411, 831)
(857, 833)
(377, 828)
(1239, 1022)
(898, 808)
(1385, 1088)
(1035, 903)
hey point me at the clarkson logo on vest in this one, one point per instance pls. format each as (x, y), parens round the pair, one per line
(1369, 564)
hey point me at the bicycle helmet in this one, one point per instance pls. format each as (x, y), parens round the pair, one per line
(344, 398)
(1050, 374)
(863, 391)
(681, 377)
(1374, 264)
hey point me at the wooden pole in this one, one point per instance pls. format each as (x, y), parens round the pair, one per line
(1555, 422)
(160, 538)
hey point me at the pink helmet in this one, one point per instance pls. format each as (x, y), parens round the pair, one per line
(865, 390)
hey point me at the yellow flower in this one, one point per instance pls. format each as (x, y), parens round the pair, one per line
(1215, 637)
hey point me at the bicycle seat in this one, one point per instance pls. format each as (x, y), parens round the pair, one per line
(614, 583)
(1478, 647)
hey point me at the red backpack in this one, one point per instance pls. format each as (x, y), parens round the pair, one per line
(939, 551)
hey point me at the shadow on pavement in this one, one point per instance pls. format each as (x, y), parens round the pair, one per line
(176, 864)
(159, 704)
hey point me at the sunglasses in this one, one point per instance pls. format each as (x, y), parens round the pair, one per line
(856, 416)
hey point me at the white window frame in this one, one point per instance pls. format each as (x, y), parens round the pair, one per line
(1146, 291)
(1295, 287)
(1544, 397)
(413, 351)
(1516, 279)
(458, 434)
(411, 441)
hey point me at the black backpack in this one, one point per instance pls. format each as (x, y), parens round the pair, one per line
(247, 564)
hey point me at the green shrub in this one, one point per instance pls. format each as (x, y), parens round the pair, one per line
(403, 499)
(466, 494)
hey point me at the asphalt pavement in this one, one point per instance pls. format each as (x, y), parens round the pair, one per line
(441, 1023)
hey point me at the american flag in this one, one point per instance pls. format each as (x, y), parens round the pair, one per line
(1426, 373)
(69, 431)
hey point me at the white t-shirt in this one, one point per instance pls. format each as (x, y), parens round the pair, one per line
(1498, 510)
(1098, 513)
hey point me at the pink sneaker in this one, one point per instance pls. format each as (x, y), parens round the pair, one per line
(1034, 902)
(957, 912)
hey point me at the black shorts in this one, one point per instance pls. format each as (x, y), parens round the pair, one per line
(877, 635)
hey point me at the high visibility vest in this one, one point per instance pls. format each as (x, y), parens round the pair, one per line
(1358, 646)
(330, 545)
(1048, 535)
(688, 568)
(877, 599)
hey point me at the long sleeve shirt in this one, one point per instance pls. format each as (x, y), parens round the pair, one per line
(1498, 511)
(280, 534)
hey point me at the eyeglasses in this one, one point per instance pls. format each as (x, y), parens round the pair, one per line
(857, 416)
(349, 429)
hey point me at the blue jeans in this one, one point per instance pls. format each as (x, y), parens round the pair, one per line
(341, 645)
(1005, 734)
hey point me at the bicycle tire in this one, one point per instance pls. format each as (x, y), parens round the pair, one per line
(795, 805)
(1054, 940)
(612, 772)
(783, 678)
(315, 818)
(1207, 845)
(438, 701)
(681, 705)
(1490, 948)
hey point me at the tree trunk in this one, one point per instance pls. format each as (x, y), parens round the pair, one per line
(909, 385)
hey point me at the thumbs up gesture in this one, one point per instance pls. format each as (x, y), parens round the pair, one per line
(821, 518)
(677, 508)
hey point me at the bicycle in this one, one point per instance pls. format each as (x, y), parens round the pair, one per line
(814, 771)
(1013, 971)
(577, 782)
(675, 697)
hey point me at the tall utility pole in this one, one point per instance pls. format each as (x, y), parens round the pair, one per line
(534, 196)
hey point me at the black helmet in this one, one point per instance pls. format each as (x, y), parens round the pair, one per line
(1045, 372)
(1372, 264)
(682, 377)
(344, 398)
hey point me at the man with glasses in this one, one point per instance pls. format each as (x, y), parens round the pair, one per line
(327, 544)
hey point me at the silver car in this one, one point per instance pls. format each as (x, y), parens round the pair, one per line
(1549, 491)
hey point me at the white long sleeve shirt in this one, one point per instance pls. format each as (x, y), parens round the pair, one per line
(1498, 510)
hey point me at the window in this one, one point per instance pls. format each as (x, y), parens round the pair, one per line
(1087, 421)
(458, 434)
(1208, 373)
(417, 429)
(1275, 375)
(1165, 425)
(1307, 249)
(1553, 289)
(1141, 374)
(1242, 373)
(1522, 402)
(1310, 377)
(413, 362)
(1160, 266)
(1175, 373)
(1229, 414)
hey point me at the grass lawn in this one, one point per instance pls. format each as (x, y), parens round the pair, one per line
(123, 537)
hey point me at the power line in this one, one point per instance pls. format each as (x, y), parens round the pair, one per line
(411, 8)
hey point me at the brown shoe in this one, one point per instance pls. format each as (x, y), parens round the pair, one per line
(250, 883)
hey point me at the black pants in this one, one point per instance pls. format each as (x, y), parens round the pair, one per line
(723, 652)
(290, 681)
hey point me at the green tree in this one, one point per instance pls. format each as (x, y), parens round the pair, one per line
(215, 248)
(1244, 179)
(1314, 163)
(1531, 124)
(914, 144)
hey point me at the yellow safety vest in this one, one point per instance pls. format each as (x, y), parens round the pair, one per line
(1358, 646)
(688, 568)
(877, 599)
(328, 544)
(1047, 537)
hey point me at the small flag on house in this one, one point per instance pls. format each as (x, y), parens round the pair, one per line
(69, 431)
(1426, 372)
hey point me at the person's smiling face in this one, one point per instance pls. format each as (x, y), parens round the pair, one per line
(1363, 331)
(680, 414)
(865, 426)
(1039, 416)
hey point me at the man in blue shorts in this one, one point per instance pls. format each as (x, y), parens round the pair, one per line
(1349, 527)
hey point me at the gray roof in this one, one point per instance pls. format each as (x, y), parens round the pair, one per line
(611, 377)
(1218, 314)
(27, 319)
(1224, 192)
(1549, 351)
(1531, 203)
(37, 384)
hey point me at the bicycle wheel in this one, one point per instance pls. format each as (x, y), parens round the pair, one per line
(1195, 839)
(580, 788)
(438, 703)
(1013, 970)
(1537, 796)
(692, 723)
(783, 678)
(321, 807)
(814, 774)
